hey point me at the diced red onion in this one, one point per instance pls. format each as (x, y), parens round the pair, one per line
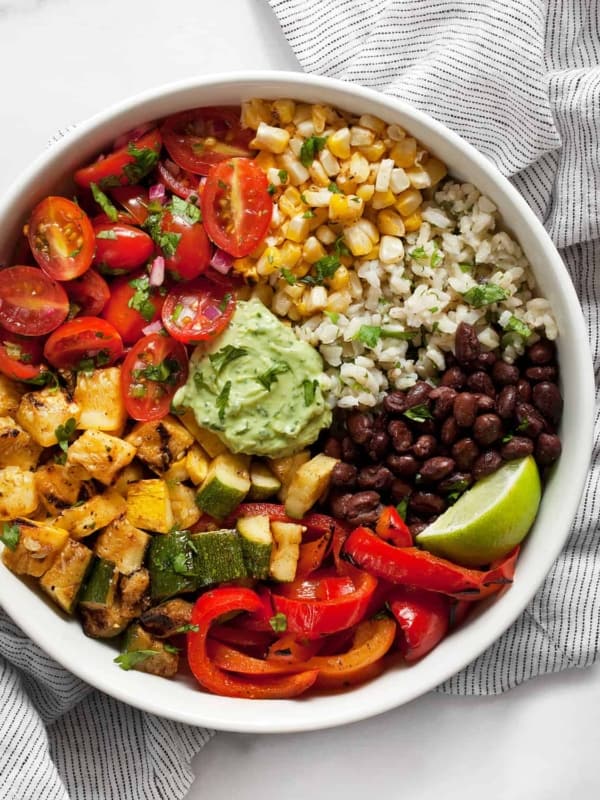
(221, 261)
(132, 135)
(210, 312)
(157, 271)
(154, 327)
(157, 192)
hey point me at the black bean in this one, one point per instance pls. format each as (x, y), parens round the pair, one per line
(457, 482)
(426, 503)
(488, 462)
(378, 446)
(416, 527)
(363, 508)
(506, 401)
(523, 391)
(399, 490)
(541, 352)
(481, 382)
(437, 468)
(444, 399)
(529, 419)
(465, 453)
(425, 446)
(548, 400)
(449, 432)
(465, 409)
(453, 377)
(547, 449)
(517, 447)
(350, 451)
(360, 427)
(505, 374)
(487, 429)
(333, 447)
(376, 477)
(487, 360)
(541, 373)
(466, 343)
(403, 465)
(401, 435)
(338, 503)
(485, 403)
(417, 394)
(395, 402)
(344, 475)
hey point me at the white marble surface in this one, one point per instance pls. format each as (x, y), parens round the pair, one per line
(62, 60)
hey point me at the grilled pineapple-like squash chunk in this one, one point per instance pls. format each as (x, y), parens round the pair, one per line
(63, 581)
(100, 399)
(130, 474)
(10, 396)
(197, 463)
(101, 455)
(17, 448)
(149, 506)
(41, 413)
(309, 482)
(58, 486)
(177, 472)
(287, 537)
(18, 495)
(207, 439)
(93, 514)
(183, 505)
(123, 544)
(285, 468)
(36, 549)
(161, 442)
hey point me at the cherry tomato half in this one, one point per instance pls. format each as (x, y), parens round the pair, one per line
(134, 200)
(31, 303)
(84, 341)
(187, 249)
(20, 356)
(199, 138)
(181, 182)
(125, 166)
(236, 206)
(152, 372)
(198, 310)
(120, 247)
(132, 305)
(89, 293)
(61, 238)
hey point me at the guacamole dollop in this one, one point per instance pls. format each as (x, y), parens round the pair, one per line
(257, 385)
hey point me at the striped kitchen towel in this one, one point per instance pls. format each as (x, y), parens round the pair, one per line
(520, 80)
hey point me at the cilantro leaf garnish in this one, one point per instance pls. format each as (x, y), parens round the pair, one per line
(283, 175)
(270, 376)
(402, 508)
(224, 302)
(187, 628)
(484, 293)
(188, 211)
(130, 660)
(418, 413)
(222, 400)
(166, 240)
(104, 202)
(106, 235)
(310, 389)
(140, 301)
(64, 432)
(166, 372)
(288, 276)
(334, 188)
(514, 325)
(279, 623)
(369, 335)
(225, 356)
(417, 253)
(310, 148)
(144, 160)
(340, 247)
(10, 535)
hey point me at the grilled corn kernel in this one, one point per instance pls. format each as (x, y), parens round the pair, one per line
(365, 191)
(290, 202)
(374, 152)
(418, 177)
(281, 304)
(360, 137)
(355, 286)
(297, 172)
(339, 143)
(319, 216)
(383, 199)
(404, 152)
(395, 133)
(329, 162)
(339, 301)
(359, 168)
(346, 184)
(275, 140)
(390, 223)
(391, 249)
(306, 128)
(436, 170)
(313, 250)
(320, 115)
(340, 279)
(269, 261)
(318, 198)
(358, 241)
(372, 123)
(318, 174)
(265, 160)
(245, 266)
(294, 291)
(298, 228)
(284, 111)
(264, 293)
(345, 208)
(413, 222)
(325, 235)
(384, 174)
(289, 254)
(315, 299)
(303, 112)
(399, 180)
(254, 112)
(296, 145)
(408, 201)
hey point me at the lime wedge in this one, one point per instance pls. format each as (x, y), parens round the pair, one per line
(488, 520)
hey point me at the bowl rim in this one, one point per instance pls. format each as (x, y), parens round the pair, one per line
(475, 638)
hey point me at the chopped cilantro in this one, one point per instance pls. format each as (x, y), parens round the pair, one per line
(201, 383)
(271, 189)
(270, 376)
(483, 294)
(390, 333)
(16, 353)
(167, 371)
(225, 356)
(369, 335)
(64, 432)
(326, 267)
(310, 389)
(465, 267)
(402, 508)
(130, 660)
(188, 627)
(418, 253)
(507, 438)
(514, 325)
(283, 175)
(104, 203)
(418, 413)
(140, 301)
(224, 302)
(333, 316)
(184, 210)
(106, 235)
(144, 160)
(288, 276)
(222, 400)
(10, 535)
(340, 248)
(278, 623)
(170, 648)
(309, 214)
(310, 148)
(334, 188)
(436, 258)
(166, 240)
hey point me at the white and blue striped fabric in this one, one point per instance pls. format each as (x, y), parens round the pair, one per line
(520, 79)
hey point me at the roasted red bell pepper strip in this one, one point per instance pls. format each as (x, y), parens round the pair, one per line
(312, 555)
(409, 565)
(208, 608)
(423, 618)
(313, 618)
(289, 650)
(392, 528)
(322, 585)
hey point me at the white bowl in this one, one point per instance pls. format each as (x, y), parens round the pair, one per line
(92, 660)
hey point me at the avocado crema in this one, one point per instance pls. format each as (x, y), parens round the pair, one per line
(257, 386)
